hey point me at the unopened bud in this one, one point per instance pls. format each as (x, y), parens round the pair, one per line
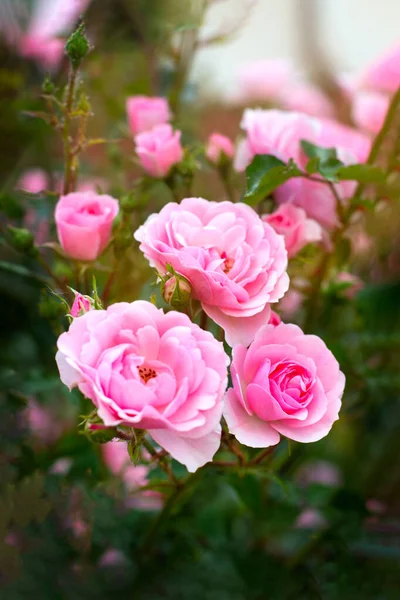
(48, 86)
(81, 305)
(77, 46)
(176, 291)
(128, 203)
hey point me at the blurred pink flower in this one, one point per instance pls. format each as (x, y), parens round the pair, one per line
(33, 181)
(369, 110)
(310, 518)
(355, 284)
(84, 221)
(319, 471)
(146, 369)
(235, 262)
(290, 303)
(217, 146)
(286, 383)
(306, 98)
(159, 149)
(383, 73)
(263, 79)
(292, 222)
(49, 20)
(117, 459)
(145, 112)
(280, 133)
(41, 422)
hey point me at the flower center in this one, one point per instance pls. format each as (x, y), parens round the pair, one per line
(146, 373)
(228, 264)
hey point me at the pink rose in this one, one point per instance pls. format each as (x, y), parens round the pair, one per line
(264, 79)
(384, 73)
(46, 51)
(159, 149)
(218, 146)
(235, 262)
(84, 221)
(117, 459)
(33, 181)
(280, 133)
(145, 112)
(286, 383)
(149, 370)
(297, 230)
(369, 110)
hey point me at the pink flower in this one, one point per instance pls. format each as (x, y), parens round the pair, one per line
(384, 73)
(369, 110)
(353, 284)
(218, 146)
(286, 383)
(117, 459)
(235, 263)
(159, 149)
(149, 370)
(33, 181)
(145, 112)
(264, 79)
(310, 518)
(307, 98)
(298, 231)
(84, 221)
(81, 305)
(280, 133)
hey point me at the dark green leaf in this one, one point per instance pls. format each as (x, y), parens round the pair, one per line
(329, 168)
(264, 174)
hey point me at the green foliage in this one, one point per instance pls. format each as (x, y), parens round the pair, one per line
(264, 175)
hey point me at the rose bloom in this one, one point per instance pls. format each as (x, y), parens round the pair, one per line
(280, 133)
(149, 370)
(263, 79)
(286, 383)
(235, 262)
(217, 146)
(297, 230)
(369, 110)
(145, 112)
(116, 457)
(84, 221)
(159, 149)
(384, 73)
(33, 181)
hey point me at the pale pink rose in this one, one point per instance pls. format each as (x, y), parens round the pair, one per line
(286, 383)
(84, 221)
(263, 79)
(307, 98)
(354, 284)
(49, 20)
(280, 133)
(384, 73)
(116, 457)
(81, 305)
(159, 149)
(274, 319)
(145, 112)
(235, 263)
(33, 181)
(219, 145)
(149, 370)
(369, 110)
(292, 222)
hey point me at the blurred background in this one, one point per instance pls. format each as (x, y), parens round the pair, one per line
(320, 520)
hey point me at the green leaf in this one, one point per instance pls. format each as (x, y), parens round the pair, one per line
(362, 173)
(264, 174)
(312, 166)
(329, 169)
(313, 151)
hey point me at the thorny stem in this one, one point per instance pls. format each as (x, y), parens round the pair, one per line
(69, 155)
